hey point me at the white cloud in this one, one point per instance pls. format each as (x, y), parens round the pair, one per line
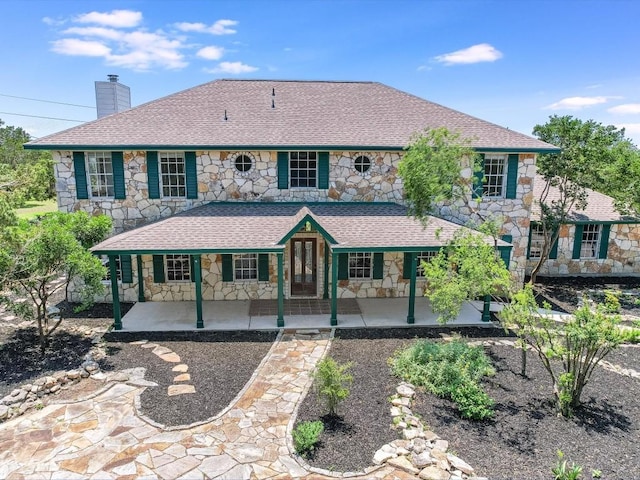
(631, 130)
(577, 103)
(102, 32)
(83, 48)
(626, 109)
(211, 52)
(423, 68)
(116, 18)
(221, 27)
(483, 52)
(54, 22)
(234, 68)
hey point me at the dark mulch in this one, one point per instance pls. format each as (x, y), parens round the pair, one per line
(220, 364)
(522, 439)
(365, 424)
(20, 358)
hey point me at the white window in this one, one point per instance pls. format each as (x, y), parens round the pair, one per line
(590, 241)
(424, 257)
(245, 266)
(495, 172)
(100, 171)
(177, 268)
(105, 262)
(172, 174)
(537, 241)
(303, 169)
(359, 265)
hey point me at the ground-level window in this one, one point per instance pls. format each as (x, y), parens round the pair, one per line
(100, 172)
(495, 169)
(105, 262)
(178, 268)
(424, 257)
(537, 241)
(172, 174)
(590, 245)
(245, 266)
(303, 169)
(359, 265)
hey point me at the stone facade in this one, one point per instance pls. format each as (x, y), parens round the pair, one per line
(219, 180)
(623, 255)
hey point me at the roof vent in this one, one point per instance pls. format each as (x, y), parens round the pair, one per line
(112, 78)
(112, 96)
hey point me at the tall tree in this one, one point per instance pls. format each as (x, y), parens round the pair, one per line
(33, 256)
(587, 148)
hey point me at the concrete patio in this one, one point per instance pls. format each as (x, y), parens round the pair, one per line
(235, 315)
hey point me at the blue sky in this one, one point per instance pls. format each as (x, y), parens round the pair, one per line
(512, 62)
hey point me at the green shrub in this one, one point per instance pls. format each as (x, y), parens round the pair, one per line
(450, 370)
(331, 382)
(612, 301)
(473, 402)
(306, 436)
(564, 471)
(630, 335)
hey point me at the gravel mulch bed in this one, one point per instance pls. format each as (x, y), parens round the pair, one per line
(522, 439)
(220, 364)
(365, 426)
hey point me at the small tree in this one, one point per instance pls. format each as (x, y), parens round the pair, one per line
(34, 255)
(569, 349)
(332, 380)
(468, 268)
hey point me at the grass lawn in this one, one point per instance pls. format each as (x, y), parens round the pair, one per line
(34, 208)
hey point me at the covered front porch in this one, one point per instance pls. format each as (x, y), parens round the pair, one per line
(242, 315)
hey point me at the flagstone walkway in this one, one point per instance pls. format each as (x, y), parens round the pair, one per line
(103, 437)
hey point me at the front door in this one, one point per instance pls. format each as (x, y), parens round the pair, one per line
(304, 278)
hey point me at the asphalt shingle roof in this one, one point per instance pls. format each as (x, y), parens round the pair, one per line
(600, 207)
(304, 113)
(238, 226)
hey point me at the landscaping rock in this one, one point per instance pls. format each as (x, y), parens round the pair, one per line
(404, 464)
(460, 464)
(4, 412)
(405, 391)
(434, 473)
(423, 459)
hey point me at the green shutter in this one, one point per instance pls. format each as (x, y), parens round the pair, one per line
(343, 266)
(227, 267)
(505, 253)
(117, 162)
(80, 172)
(152, 175)
(406, 266)
(323, 170)
(512, 176)
(604, 240)
(192, 267)
(553, 253)
(476, 191)
(529, 244)
(378, 265)
(283, 170)
(577, 242)
(158, 269)
(191, 174)
(263, 267)
(125, 269)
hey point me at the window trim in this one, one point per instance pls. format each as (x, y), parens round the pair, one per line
(536, 229)
(161, 176)
(591, 228)
(166, 268)
(366, 171)
(316, 178)
(363, 255)
(105, 154)
(419, 256)
(239, 256)
(106, 280)
(236, 156)
(485, 184)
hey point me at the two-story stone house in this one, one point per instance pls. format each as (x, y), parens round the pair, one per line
(247, 189)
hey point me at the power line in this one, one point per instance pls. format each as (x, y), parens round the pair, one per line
(48, 118)
(46, 101)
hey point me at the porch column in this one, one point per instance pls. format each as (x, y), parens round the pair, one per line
(411, 318)
(334, 289)
(486, 312)
(325, 294)
(280, 289)
(140, 279)
(115, 294)
(197, 275)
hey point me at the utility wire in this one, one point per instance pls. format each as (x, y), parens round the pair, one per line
(48, 118)
(46, 101)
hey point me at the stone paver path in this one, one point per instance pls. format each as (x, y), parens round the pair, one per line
(104, 438)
